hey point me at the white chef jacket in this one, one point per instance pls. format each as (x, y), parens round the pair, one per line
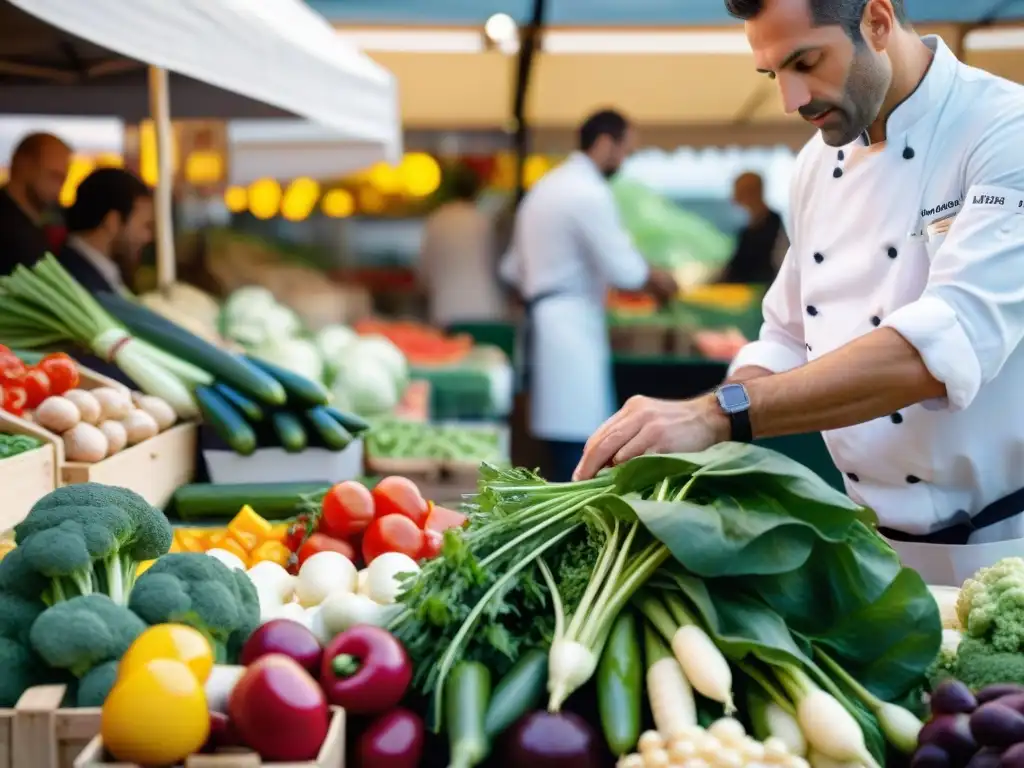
(569, 239)
(925, 235)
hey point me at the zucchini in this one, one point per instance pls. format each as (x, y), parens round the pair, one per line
(349, 421)
(520, 691)
(226, 421)
(175, 340)
(290, 432)
(251, 409)
(300, 390)
(620, 680)
(271, 501)
(334, 436)
(467, 693)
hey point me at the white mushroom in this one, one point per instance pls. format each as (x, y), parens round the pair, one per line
(88, 405)
(57, 414)
(115, 404)
(116, 434)
(140, 426)
(161, 411)
(85, 443)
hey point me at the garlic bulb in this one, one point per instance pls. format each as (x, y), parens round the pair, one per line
(140, 426)
(116, 434)
(88, 405)
(115, 404)
(57, 414)
(85, 443)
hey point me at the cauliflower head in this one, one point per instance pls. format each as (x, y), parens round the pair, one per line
(991, 605)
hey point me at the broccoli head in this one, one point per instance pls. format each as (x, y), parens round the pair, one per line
(89, 538)
(18, 578)
(979, 663)
(200, 591)
(991, 605)
(82, 632)
(96, 684)
(17, 615)
(22, 669)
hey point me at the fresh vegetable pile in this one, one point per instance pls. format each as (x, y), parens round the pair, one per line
(756, 587)
(444, 443)
(71, 602)
(23, 387)
(15, 445)
(422, 345)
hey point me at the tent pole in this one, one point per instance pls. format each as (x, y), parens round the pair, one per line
(160, 112)
(530, 36)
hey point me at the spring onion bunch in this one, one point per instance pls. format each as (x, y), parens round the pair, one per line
(44, 306)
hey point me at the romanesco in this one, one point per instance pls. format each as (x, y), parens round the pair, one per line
(991, 605)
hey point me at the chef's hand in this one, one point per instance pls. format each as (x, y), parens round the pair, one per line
(645, 425)
(662, 285)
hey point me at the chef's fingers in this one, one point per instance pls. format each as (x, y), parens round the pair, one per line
(644, 440)
(605, 443)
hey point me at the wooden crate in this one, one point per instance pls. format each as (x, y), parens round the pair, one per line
(37, 733)
(332, 754)
(29, 476)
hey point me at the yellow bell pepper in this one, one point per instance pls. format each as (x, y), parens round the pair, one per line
(216, 540)
(279, 531)
(144, 566)
(247, 525)
(247, 541)
(169, 641)
(230, 545)
(274, 551)
(155, 715)
(190, 543)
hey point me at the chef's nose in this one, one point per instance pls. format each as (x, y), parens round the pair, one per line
(795, 93)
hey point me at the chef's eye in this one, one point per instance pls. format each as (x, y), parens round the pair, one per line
(807, 63)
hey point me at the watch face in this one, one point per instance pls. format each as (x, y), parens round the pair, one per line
(733, 397)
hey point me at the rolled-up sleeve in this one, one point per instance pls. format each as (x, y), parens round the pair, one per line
(970, 317)
(608, 243)
(780, 344)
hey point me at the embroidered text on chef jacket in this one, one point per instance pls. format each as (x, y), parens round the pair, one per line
(569, 241)
(923, 234)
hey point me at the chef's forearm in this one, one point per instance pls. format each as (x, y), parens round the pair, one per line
(747, 373)
(874, 376)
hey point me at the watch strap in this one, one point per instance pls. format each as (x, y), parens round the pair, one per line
(739, 423)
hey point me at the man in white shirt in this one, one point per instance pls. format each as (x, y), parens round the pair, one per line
(457, 258)
(895, 323)
(568, 248)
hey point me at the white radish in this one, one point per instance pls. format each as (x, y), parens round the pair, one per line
(704, 665)
(570, 665)
(784, 727)
(829, 728)
(323, 574)
(343, 610)
(383, 584)
(271, 578)
(230, 559)
(671, 698)
(818, 760)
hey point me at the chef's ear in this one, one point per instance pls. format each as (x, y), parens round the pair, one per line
(877, 23)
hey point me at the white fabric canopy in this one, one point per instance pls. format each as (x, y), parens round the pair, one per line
(91, 57)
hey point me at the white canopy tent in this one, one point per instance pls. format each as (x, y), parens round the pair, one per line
(229, 58)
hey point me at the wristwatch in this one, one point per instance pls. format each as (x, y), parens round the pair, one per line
(735, 403)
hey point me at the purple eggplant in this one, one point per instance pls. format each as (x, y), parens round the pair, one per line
(996, 725)
(930, 756)
(546, 740)
(393, 740)
(953, 734)
(952, 697)
(986, 758)
(1013, 757)
(997, 691)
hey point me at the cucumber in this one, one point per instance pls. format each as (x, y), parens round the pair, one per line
(520, 691)
(290, 432)
(175, 340)
(271, 501)
(249, 408)
(349, 421)
(226, 421)
(620, 677)
(466, 695)
(300, 390)
(334, 436)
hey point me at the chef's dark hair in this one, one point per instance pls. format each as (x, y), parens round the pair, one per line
(607, 122)
(102, 191)
(845, 13)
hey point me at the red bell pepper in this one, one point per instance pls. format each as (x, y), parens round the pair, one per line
(366, 670)
(14, 399)
(37, 387)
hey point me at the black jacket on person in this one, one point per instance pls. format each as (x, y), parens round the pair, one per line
(22, 241)
(752, 262)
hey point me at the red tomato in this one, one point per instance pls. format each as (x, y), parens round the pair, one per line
(37, 387)
(347, 510)
(62, 370)
(399, 496)
(441, 519)
(320, 542)
(392, 533)
(433, 543)
(11, 368)
(14, 399)
(293, 540)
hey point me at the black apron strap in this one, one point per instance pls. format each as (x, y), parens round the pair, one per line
(526, 350)
(998, 511)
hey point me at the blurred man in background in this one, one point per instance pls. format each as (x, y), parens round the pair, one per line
(458, 268)
(762, 242)
(109, 224)
(39, 168)
(568, 248)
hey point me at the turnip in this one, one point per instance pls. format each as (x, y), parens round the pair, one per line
(347, 609)
(383, 584)
(669, 692)
(323, 574)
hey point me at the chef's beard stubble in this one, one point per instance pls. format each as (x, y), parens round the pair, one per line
(867, 84)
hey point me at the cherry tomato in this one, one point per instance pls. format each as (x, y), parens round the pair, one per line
(392, 533)
(433, 543)
(11, 368)
(399, 496)
(295, 536)
(320, 542)
(14, 399)
(37, 387)
(347, 510)
(441, 519)
(62, 370)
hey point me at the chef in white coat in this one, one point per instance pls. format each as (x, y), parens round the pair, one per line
(894, 326)
(568, 247)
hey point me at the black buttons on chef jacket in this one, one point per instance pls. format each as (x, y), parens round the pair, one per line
(908, 153)
(876, 321)
(819, 257)
(837, 173)
(808, 346)
(812, 310)
(842, 155)
(853, 477)
(893, 253)
(913, 479)
(897, 418)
